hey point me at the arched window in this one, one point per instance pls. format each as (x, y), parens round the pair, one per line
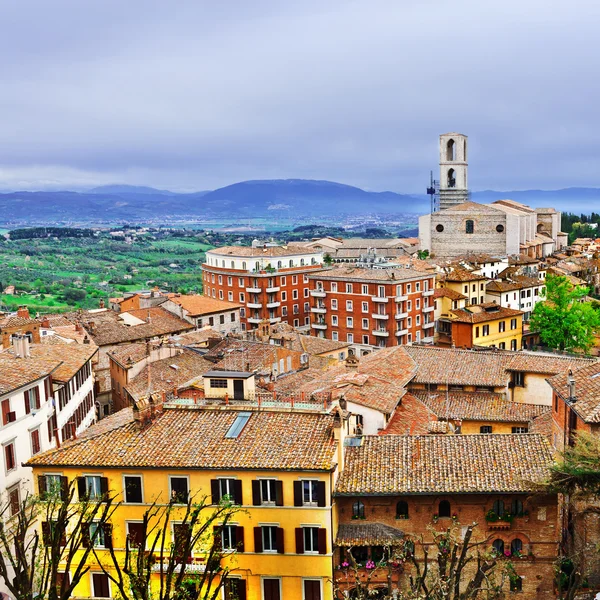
(223, 263)
(498, 507)
(517, 507)
(313, 261)
(291, 263)
(465, 150)
(359, 553)
(358, 510)
(402, 510)
(469, 226)
(516, 546)
(498, 546)
(409, 547)
(233, 264)
(444, 509)
(450, 150)
(244, 266)
(301, 262)
(279, 264)
(257, 266)
(451, 178)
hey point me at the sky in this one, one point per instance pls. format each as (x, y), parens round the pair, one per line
(195, 95)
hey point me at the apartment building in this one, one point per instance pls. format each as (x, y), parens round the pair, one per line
(269, 282)
(373, 307)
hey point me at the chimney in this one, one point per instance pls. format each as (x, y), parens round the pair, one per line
(23, 312)
(352, 362)
(571, 382)
(46, 323)
(101, 303)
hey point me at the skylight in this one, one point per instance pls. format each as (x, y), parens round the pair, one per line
(238, 425)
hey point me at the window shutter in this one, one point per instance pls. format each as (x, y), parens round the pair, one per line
(279, 493)
(27, 402)
(82, 490)
(258, 547)
(297, 493)
(104, 486)
(241, 589)
(256, 492)
(46, 535)
(299, 540)
(280, 540)
(64, 489)
(237, 492)
(42, 490)
(36, 393)
(322, 541)
(218, 537)
(239, 539)
(214, 488)
(108, 542)
(85, 534)
(321, 493)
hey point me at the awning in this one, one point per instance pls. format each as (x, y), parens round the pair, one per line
(368, 534)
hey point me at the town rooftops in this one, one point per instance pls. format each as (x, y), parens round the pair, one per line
(461, 275)
(448, 293)
(444, 464)
(587, 391)
(481, 313)
(197, 439)
(366, 275)
(197, 305)
(291, 249)
(18, 372)
(368, 534)
(550, 364)
(16, 321)
(515, 282)
(229, 374)
(129, 354)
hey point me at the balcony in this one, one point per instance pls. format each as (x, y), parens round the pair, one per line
(401, 332)
(253, 290)
(380, 316)
(380, 299)
(273, 304)
(319, 310)
(255, 320)
(428, 309)
(274, 319)
(399, 316)
(273, 290)
(428, 293)
(381, 332)
(318, 293)
(319, 325)
(254, 305)
(428, 325)
(401, 299)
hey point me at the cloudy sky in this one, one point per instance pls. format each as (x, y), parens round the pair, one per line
(192, 95)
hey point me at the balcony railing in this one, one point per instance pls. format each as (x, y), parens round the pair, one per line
(254, 304)
(401, 299)
(253, 290)
(380, 316)
(401, 332)
(319, 293)
(380, 299)
(402, 315)
(381, 332)
(427, 293)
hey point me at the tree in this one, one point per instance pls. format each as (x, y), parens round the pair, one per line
(327, 260)
(199, 528)
(30, 563)
(563, 320)
(423, 254)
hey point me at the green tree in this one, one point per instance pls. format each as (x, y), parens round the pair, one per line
(327, 260)
(564, 321)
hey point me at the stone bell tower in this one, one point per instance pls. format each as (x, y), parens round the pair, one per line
(453, 170)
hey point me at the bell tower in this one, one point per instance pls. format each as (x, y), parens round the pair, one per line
(453, 170)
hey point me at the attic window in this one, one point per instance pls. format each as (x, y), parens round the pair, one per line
(174, 367)
(238, 425)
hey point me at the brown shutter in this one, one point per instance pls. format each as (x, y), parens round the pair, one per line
(321, 493)
(279, 493)
(218, 537)
(135, 533)
(81, 488)
(241, 589)
(64, 489)
(280, 540)
(42, 486)
(37, 397)
(104, 486)
(239, 539)
(46, 534)
(298, 493)
(85, 534)
(256, 492)
(299, 540)
(237, 492)
(258, 547)
(108, 541)
(27, 402)
(322, 541)
(214, 488)
(312, 589)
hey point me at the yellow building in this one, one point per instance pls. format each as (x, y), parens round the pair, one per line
(466, 283)
(278, 465)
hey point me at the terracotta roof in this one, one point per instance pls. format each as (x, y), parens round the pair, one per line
(458, 274)
(459, 367)
(379, 381)
(587, 391)
(433, 464)
(316, 345)
(195, 439)
(368, 534)
(70, 356)
(411, 417)
(480, 313)
(514, 283)
(448, 293)
(18, 372)
(129, 353)
(197, 337)
(10, 322)
(479, 406)
(549, 364)
(197, 305)
(291, 249)
(377, 275)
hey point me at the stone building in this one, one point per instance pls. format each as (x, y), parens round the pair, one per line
(454, 187)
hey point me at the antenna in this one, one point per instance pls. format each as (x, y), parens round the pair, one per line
(433, 191)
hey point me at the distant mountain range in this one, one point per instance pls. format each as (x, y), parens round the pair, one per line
(279, 198)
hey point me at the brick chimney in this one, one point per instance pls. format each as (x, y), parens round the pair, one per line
(23, 312)
(46, 323)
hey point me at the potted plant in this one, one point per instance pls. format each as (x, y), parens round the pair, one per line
(435, 518)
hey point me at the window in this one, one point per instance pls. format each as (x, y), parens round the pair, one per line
(365, 290)
(230, 280)
(444, 509)
(516, 583)
(476, 332)
(269, 538)
(513, 345)
(294, 277)
(498, 507)
(234, 589)
(334, 304)
(408, 305)
(92, 487)
(485, 330)
(498, 546)
(365, 307)
(241, 280)
(348, 288)
(502, 326)
(349, 305)
(282, 281)
(132, 485)
(226, 488)
(516, 546)
(349, 322)
(485, 429)
(469, 226)
(311, 539)
(381, 291)
(283, 296)
(230, 296)
(271, 589)
(312, 589)
(439, 228)
(32, 399)
(135, 533)
(179, 489)
(222, 319)
(516, 507)
(519, 378)
(365, 323)
(8, 416)
(220, 280)
(268, 491)
(402, 510)
(229, 537)
(334, 320)
(284, 311)
(98, 535)
(417, 303)
(306, 292)
(100, 585)
(14, 500)
(350, 338)
(294, 294)
(218, 383)
(358, 510)
(365, 339)
(333, 286)
(513, 323)
(35, 441)
(334, 336)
